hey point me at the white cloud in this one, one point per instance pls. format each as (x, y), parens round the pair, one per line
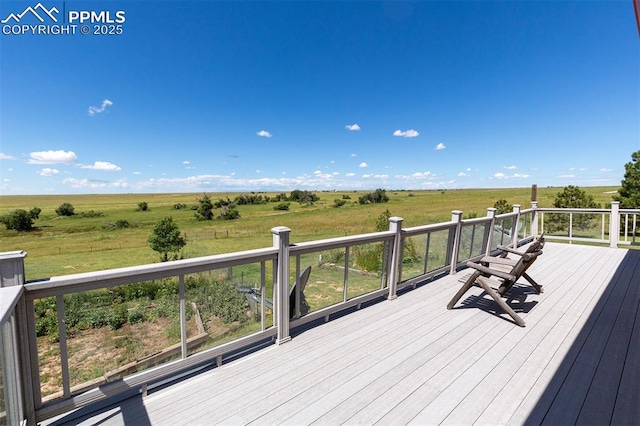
(500, 176)
(137, 173)
(92, 184)
(6, 157)
(421, 174)
(604, 169)
(264, 134)
(352, 127)
(407, 133)
(440, 147)
(52, 157)
(510, 167)
(462, 174)
(354, 155)
(104, 166)
(48, 172)
(468, 169)
(258, 171)
(363, 165)
(520, 175)
(186, 163)
(350, 174)
(93, 110)
(566, 176)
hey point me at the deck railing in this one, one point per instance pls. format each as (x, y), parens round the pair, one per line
(347, 273)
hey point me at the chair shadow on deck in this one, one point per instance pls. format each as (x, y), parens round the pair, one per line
(516, 299)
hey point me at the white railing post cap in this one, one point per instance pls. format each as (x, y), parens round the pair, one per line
(280, 230)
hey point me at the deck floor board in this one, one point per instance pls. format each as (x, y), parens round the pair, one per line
(412, 361)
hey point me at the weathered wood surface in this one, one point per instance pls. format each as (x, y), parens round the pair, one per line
(412, 361)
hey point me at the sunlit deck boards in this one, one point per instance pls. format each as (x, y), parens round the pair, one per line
(412, 361)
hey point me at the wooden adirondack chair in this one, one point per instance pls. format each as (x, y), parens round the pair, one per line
(506, 272)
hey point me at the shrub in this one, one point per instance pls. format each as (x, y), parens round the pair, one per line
(379, 196)
(502, 206)
(205, 209)
(19, 220)
(229, 213)
(282, 206)
(338, 203)
(65, 209)
(180, 206)
(143, 206)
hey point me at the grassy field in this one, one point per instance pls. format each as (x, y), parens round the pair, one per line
(65, 245)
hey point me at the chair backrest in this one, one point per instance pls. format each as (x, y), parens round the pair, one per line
(301, 282)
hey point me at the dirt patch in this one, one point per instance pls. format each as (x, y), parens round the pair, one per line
(93, 353)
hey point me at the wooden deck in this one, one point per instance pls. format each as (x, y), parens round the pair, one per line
(411, 361)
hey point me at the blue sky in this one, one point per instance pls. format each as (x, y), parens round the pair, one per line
(274, 96)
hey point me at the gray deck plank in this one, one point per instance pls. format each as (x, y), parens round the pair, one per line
(411, 360)
(515, 392)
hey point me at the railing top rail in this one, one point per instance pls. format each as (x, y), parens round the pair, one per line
(331, 243)
(423, 229)
(100, 279)
(572, 210)
(9, 297)
(507, 215)
(633, 211)
(476, 220)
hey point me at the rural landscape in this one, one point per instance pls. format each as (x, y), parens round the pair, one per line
(128, 328)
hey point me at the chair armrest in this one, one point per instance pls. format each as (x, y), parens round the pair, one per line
(489, 271)
(509, 250)
(498, 260)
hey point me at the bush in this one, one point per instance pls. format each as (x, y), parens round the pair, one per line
(180, 206)
(19, 220)
(229, 213)
(122, 223)
(281, 206)
(143, 206)
(65, 209)
(205, 209)
(379, 196)
(502, 206)
(338, 203)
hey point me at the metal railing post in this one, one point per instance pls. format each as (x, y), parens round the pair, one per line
(281, 298)
(614, 224)
(488, 237)
(454, 244)
(395, 225)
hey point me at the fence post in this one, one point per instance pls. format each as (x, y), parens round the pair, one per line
(395, 225)
(534, 219)
(454, 243)
(491, 213)
(281, 298)
(614, 224)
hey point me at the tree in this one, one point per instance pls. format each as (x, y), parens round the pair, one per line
(571, 197)
(629, 193)
(205, 209)
(65, 209)
(166, 238)
(380, 196)
(502, 206)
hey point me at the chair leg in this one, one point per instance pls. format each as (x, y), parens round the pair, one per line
(535, 285)
(465, 287)
(496, 296)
